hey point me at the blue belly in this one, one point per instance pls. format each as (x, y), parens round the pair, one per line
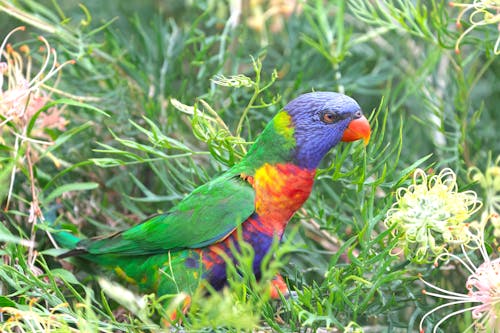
(259, 241)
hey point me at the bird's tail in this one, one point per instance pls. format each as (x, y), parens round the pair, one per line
(63, 238)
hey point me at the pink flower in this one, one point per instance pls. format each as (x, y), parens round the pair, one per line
(24, 95)
(483, 288)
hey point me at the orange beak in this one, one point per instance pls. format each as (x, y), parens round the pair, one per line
(358, 129)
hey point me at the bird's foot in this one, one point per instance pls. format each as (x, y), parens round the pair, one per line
(175, 316)
(279, 288)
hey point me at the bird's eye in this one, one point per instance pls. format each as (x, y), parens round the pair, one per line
(329, 117)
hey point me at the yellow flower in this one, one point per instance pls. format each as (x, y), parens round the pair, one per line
(490, 182)
(482, 12)
(431, 214)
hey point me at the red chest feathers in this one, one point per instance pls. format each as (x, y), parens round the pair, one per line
(280, 191)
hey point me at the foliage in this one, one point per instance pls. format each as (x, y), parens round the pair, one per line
(147, 100)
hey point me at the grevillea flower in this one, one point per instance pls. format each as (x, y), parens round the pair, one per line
(490, 183)
(23, 95)
(483, 288)
(481, 12)
(277, 11)
(431, 214)
(23, 92)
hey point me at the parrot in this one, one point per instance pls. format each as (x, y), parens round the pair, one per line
(253, 200)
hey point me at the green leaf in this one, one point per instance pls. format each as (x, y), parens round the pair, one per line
(7, 237)
(6, 302)
(64, 275)
(68, 188)
(67, 135)
(65, 101)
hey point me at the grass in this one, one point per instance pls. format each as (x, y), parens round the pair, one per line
(164, 96)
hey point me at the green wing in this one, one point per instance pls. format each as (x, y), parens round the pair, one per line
(204, 217)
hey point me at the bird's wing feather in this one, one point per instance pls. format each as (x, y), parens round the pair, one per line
(204, 217)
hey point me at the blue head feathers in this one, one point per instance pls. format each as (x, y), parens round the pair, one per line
(320, 120)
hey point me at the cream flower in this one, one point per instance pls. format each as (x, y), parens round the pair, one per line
(431, 214)
(481, 12)
(490, 182)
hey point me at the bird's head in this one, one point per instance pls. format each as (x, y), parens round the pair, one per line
(320, 121)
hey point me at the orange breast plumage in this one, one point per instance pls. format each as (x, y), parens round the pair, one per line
(280, 190)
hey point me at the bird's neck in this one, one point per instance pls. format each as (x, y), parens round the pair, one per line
(276, 144)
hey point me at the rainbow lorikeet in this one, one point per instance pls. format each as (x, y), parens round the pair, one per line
(170, 252)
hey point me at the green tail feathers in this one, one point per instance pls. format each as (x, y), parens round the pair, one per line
(63, 238)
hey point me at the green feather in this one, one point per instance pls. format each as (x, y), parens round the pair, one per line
(207, 215)
(275, 144)
(164, 273)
